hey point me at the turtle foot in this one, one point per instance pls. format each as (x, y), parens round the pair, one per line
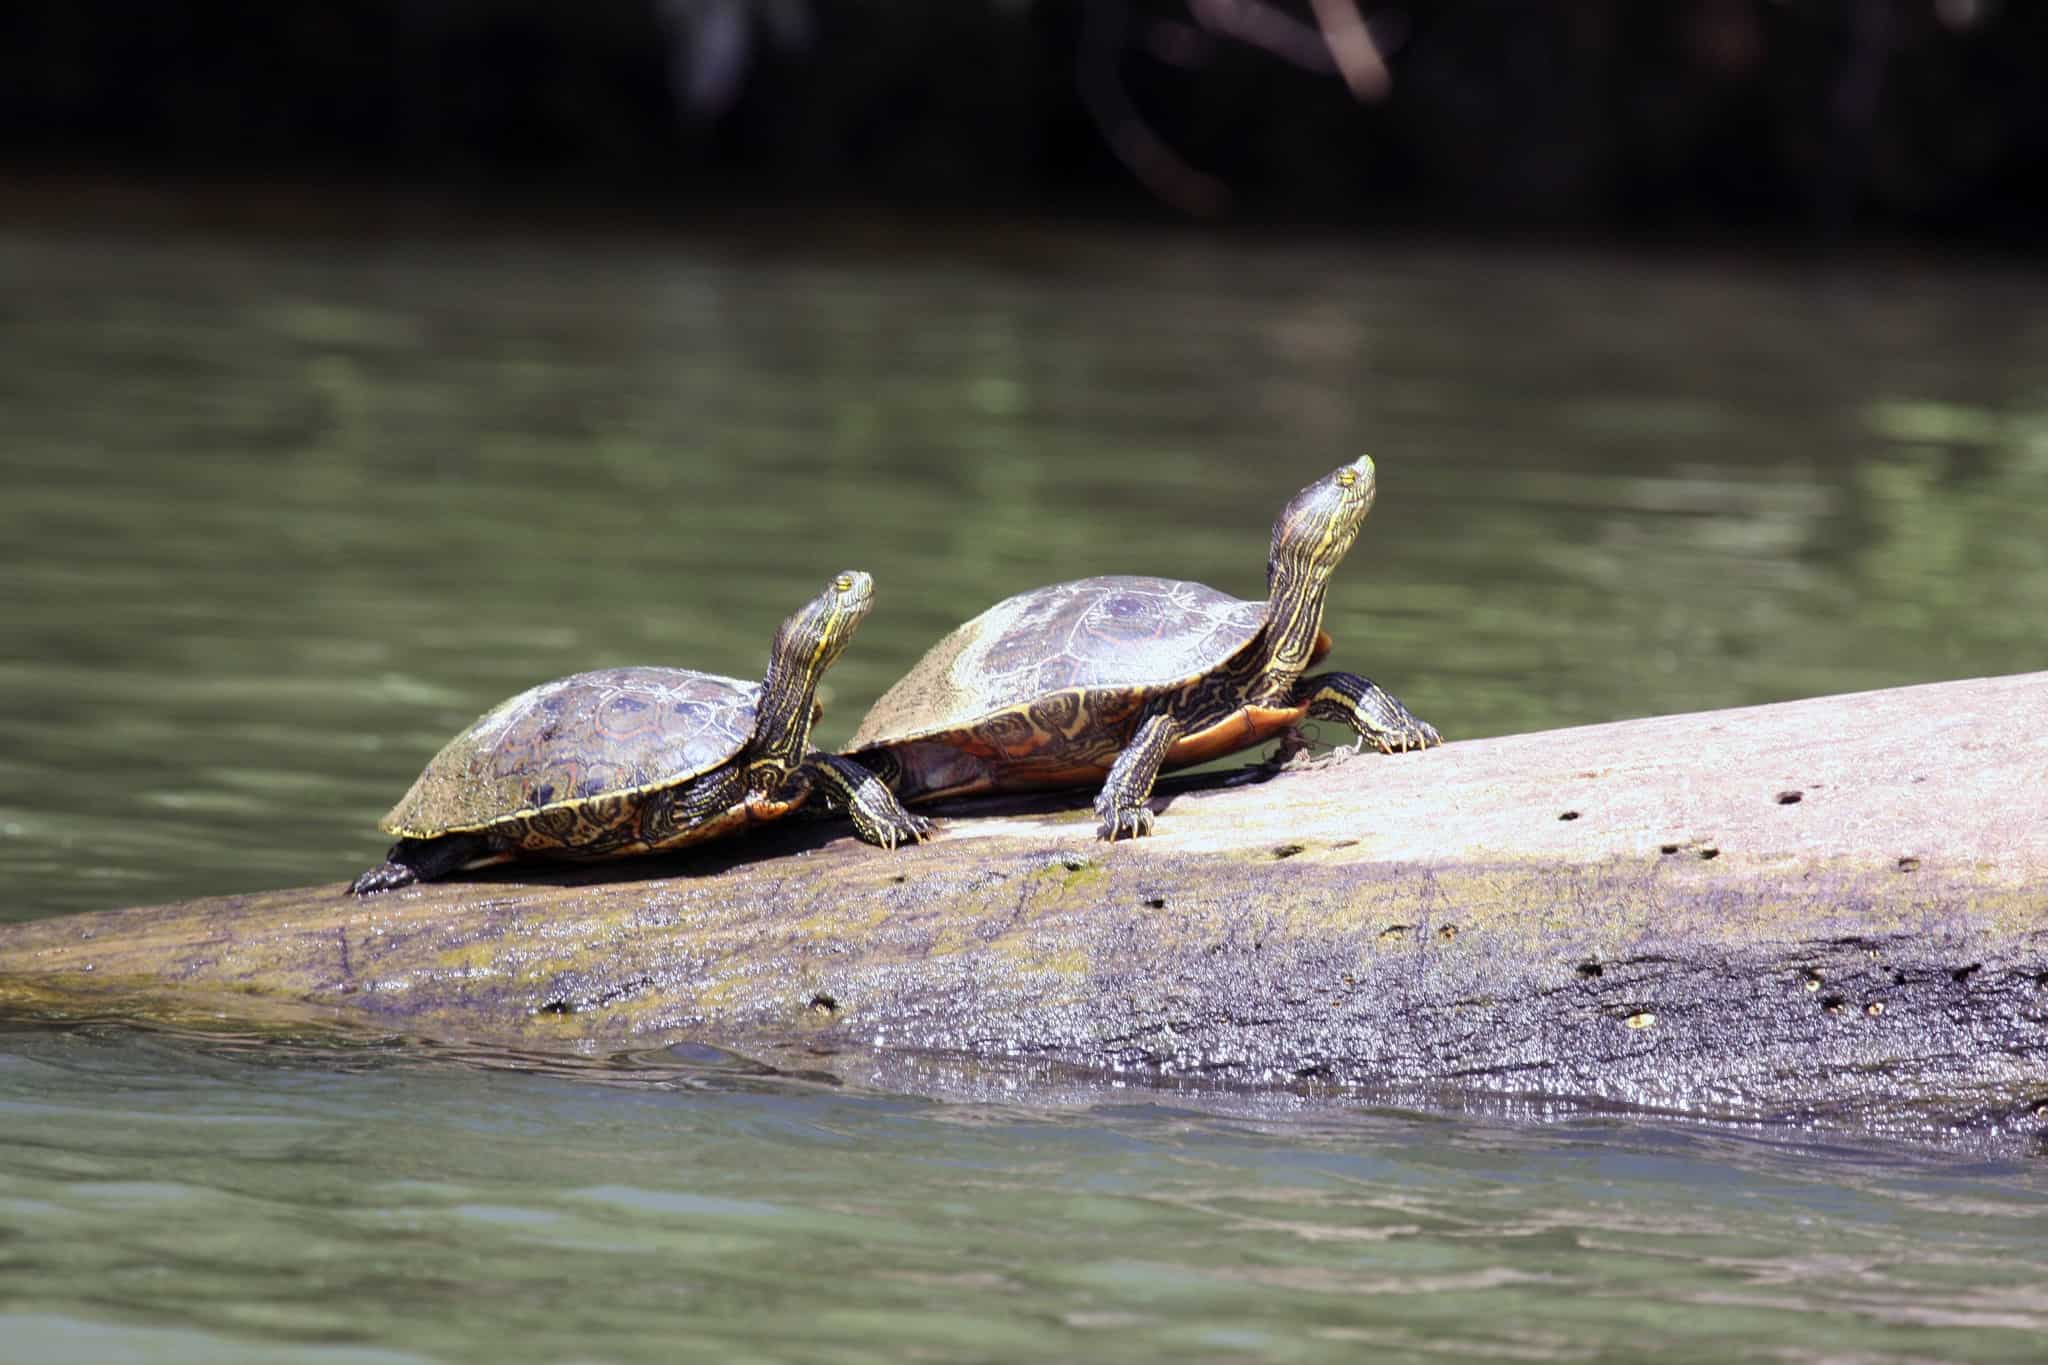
(1423, 736)
(385, 876)
(878, 817)
(1373, 713)
(906, 829)
(423, 860)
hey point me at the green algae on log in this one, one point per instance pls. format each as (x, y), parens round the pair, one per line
(1831, 911)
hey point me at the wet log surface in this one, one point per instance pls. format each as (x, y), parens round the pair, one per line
(1831, 912)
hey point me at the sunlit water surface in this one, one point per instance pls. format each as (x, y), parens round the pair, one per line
(278, 520)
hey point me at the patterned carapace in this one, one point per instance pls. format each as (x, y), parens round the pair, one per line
(617, 731)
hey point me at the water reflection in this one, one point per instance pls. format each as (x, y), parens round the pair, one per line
(321, 1196)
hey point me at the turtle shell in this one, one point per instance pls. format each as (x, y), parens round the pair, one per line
(1130, 634)
(613, 732)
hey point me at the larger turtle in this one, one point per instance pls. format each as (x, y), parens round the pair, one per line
(636, 760)
(1112, 679)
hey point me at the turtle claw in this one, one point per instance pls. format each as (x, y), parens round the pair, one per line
(1135, 821)
(910, 829)
(1413, 737)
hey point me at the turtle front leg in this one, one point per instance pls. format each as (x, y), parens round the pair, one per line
(1121, 802)
(1375, 713)
(878, 817)
(424, 860)
(714, 795)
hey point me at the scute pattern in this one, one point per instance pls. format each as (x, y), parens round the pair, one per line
(565, 742)
(1122, 633)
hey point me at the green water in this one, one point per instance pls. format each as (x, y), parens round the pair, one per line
(278, 519)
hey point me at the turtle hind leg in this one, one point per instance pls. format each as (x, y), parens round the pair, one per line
(878, 817)
(1121, 802)
(1376, 714)
(423, 860)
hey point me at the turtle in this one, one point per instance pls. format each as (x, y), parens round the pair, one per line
(1112, 679)
(635, 760)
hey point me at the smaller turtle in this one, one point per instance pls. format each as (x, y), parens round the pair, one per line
(636, 760)
(1112, 679)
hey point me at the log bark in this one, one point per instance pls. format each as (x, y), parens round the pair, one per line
(1829, 912)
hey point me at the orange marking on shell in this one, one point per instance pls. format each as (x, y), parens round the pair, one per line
(968, 742)
(717, 827)
(767, 808)
(1085, 775)
(1241, 729)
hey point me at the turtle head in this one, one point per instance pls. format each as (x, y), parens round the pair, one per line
(818, 633)
(807, 644)
(1319, 524)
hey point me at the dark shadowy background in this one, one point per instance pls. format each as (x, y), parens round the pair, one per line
(1901, 119)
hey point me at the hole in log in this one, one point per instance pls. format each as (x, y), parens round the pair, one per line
(1155, 902)
(823, 1003)
(1641, 1019)
(1909, 864)
(1667, 849)
(1833, 1004)
(1811, 981)
(1313, 1071)
(1394, 931)
(1710, 852)
(558, 1007)
(1448, 932)
(1874, 1008)
(1965, 973)
(1289, 850)
(1590, 970)
(1791, 798)
(900, 878)
(1569, 815)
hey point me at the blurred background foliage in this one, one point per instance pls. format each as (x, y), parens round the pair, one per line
(1900, 118)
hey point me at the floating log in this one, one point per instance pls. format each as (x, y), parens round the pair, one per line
(1829, 912)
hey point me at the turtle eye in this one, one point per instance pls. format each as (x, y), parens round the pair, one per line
(842, 584)
(1346, 477)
